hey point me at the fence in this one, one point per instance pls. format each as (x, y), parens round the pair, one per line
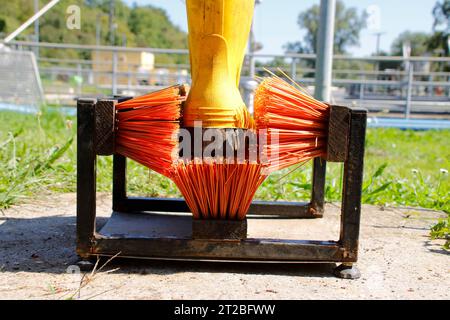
(381, 84)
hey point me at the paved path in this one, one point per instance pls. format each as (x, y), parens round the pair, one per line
(397, 261)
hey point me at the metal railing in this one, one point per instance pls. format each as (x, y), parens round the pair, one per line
(412, 85)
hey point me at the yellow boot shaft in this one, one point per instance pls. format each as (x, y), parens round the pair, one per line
(218, 34)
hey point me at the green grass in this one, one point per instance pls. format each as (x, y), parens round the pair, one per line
(402, 168)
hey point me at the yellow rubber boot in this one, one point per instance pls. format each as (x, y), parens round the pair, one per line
(218, 34)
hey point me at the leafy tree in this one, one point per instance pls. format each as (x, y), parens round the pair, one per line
(348, 25)
(422, 43)
(438, 42)
(152, 27)
(417, 40)
(441, 13)
(141, 26)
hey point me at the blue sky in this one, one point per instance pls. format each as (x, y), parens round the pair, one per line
(276, 20)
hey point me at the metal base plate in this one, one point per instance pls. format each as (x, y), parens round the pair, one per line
(169, 236)
(148, 225)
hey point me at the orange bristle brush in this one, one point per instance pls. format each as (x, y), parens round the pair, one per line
(295, 123)
(147, 128)
(215, 190)
(218, 187)
(221, 187)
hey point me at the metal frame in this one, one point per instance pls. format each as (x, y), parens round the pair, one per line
(348, 127)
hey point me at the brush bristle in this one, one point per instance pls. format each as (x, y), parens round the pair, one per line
(148, 126)
(218, 190)
(296, 124)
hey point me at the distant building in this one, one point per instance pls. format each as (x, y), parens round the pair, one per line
(132, 67)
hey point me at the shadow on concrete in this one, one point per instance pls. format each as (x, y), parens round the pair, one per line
(47, 245)
(434, 247)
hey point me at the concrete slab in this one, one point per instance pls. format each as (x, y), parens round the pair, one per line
(397, 260)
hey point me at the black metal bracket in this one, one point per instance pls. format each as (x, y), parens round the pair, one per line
(345, 144)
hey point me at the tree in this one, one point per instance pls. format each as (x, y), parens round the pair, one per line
(417, 40)
(348, 25)
(438, 42)
(141, 26)
(441, 13)
(2, 25)
(152, 28)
